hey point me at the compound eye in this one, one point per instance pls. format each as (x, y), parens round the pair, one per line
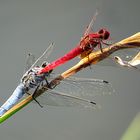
(106, 35)
(101, 31)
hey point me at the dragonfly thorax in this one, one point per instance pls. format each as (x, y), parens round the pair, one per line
(30, 79)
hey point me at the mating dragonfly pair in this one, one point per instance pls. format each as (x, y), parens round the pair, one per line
(72, 91)
(35, 78)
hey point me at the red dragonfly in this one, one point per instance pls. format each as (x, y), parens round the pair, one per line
(88, 42)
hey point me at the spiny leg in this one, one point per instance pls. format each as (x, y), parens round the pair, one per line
(33, 96)
(49, 85)
(91, 47)
(100, 47)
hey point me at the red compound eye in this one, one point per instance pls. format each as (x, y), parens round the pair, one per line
(101, 31)
(104, 34)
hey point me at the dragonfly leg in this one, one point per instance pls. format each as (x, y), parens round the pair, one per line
(47, 82)
(50, 85)
(89, 63)
(100, 47)
(37, 102)
(33, 96)
(91, 47)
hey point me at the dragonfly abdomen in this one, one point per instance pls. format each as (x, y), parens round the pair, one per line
(17, 94)
(73, 53)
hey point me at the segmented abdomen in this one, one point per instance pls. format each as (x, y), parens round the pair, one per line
(70, 55)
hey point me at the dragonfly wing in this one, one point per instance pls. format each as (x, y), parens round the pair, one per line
(84, 87)
(89, 27)
(32, 62)
(55, 98)
(44, 56)
(29, 61)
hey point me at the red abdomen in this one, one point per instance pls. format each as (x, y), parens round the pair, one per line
(70, 55)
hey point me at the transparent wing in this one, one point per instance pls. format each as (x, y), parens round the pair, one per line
(31, 61)
(89, 27)
(55, 98)
(44, 56)
(84, 87)
(76, 92)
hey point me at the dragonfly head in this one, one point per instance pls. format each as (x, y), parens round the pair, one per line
(104, 34)
(44, 64)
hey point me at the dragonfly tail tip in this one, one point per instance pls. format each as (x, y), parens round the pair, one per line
(106, 82)
(92, 102)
